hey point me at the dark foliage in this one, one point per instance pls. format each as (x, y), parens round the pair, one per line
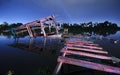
(104, 28)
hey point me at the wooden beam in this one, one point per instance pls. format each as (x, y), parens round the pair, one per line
(88, 50)
(87, 54)
(79, 41)
(22, 31)
(33, 28)
(90, 65)
(86, 44)
(81, 45)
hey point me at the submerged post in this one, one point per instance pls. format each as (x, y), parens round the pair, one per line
(59, 65)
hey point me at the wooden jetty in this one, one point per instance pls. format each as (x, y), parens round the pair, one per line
(38, 24)
(81, 50)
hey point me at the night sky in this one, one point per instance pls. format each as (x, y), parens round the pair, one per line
(70, 11)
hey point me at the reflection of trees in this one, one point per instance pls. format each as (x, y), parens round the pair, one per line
(105, 32)
(8, 35)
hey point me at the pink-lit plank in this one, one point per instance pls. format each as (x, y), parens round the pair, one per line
(88, 50)
(87, 54)
(79, 42)
(86, 44)
(89, 65)
(81, 45)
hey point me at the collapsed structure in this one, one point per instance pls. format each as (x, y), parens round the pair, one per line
(38, 24)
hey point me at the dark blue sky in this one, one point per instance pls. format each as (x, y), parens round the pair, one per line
(71, 11)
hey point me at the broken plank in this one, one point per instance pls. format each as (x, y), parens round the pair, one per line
(79, 42)
(80, 45)
(86, 44)
(87, 54)
(88, 50)
(90, 65)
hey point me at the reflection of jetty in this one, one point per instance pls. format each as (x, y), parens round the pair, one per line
(36, 45)
(48, 22)
(83, 49)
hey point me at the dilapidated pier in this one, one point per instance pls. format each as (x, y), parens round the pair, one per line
(86, 49)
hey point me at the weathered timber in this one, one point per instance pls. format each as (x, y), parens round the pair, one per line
(86, 44)
(90, 65)
(88, 50)
(79, 42)
(87, 54)
(80, 45)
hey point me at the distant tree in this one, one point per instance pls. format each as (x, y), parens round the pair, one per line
(14, 25)
(19, 24)
(5, 23)
(4, 26)
(65, 25)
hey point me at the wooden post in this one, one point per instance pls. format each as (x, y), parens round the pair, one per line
(56, 25)
(43, 29)
(59, 65)
(29, 31)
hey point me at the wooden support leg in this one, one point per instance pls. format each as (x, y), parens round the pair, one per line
(29, 31)
(59, 65)
(56, 26)
(43, 32)
(49, 28)
(43, 29)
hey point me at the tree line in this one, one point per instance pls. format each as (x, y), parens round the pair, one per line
(98, 28)
(104, 28)
(7, 26)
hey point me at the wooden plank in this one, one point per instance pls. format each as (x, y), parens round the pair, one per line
(81, 45)
(89, 65)
(86, 44)
(87, 54)
(82, 41)
(22, 31)
(33, 28)
(78, 41)
(88, 50)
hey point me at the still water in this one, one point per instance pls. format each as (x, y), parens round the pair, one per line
(38, 56)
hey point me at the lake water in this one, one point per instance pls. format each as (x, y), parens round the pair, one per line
(38, 56)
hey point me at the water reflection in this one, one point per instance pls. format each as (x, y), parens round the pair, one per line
(38, 45)
(47, 50)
